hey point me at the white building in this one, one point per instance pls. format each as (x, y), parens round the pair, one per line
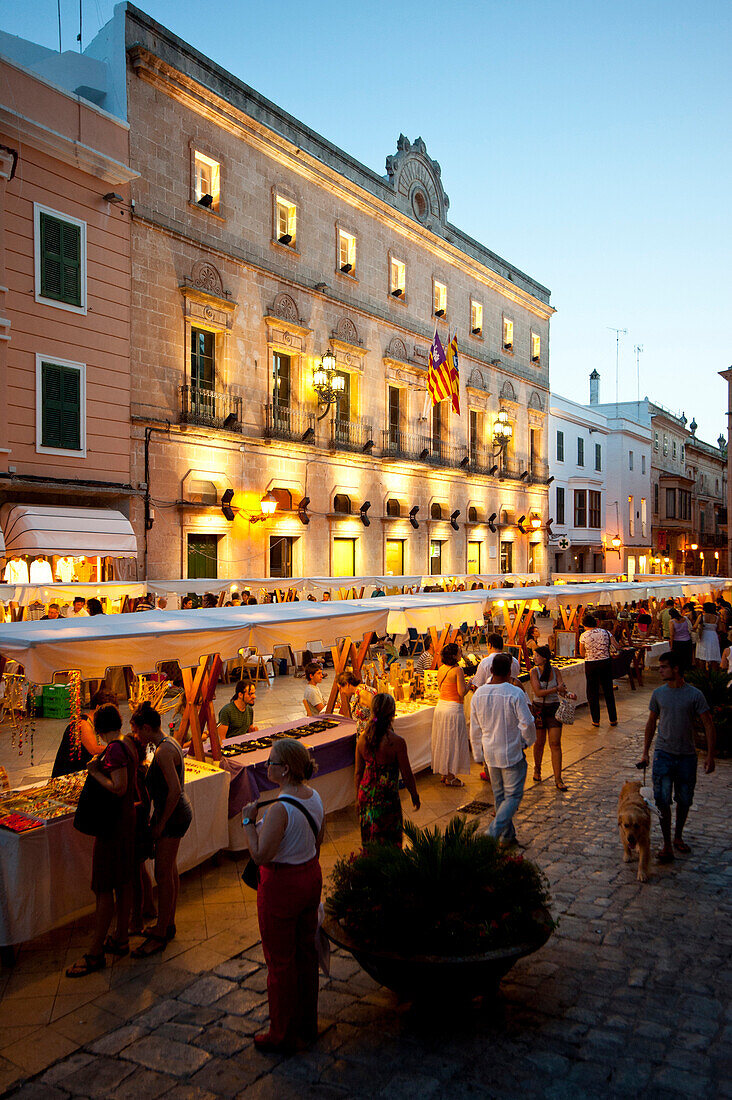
(600, 497)
(578, 460)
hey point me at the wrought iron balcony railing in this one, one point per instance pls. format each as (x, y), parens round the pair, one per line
(210, 409)
(282, 422)
(351, 435)
(422, 448)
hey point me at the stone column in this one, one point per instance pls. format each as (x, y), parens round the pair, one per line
(727, 375)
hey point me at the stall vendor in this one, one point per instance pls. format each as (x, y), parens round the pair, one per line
(74, 753)
(237, 716)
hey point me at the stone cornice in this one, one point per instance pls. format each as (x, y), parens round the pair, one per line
(205, 103)
(65, 149)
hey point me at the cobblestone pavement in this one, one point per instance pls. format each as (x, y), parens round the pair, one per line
(630, 996)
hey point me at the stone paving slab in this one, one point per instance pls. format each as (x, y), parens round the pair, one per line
(629, 997)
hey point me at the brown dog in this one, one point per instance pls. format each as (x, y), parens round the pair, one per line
(634, 822)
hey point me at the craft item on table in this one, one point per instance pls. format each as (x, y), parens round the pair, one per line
(75, 710)
(154, 692)
(431, 684)
(409, 667)
(200, 767)
(19, 823)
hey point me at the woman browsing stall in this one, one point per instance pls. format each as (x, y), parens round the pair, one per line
(356, 700)
(450, 748)
(285, 846)
(381, 756)
(171, 819)
(547, 686)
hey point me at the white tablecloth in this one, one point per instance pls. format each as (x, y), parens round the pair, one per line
(574, 680)
(45, 874)
(654, 651)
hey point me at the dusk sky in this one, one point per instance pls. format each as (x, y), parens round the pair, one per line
(586, 143)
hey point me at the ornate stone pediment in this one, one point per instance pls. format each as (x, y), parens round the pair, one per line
(204, 299)
(535, 402)
(346, 332)
(508, 394)
(284, 327)
(347, 344)
(417, 183)
(397, 350)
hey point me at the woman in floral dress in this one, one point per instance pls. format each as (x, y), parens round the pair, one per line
(381, 756)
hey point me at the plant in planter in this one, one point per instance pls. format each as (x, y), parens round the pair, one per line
(452, 912)
(716, 688)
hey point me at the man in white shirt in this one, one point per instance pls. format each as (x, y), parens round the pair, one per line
(484, 672)
(312, 697)
(501, 728)
(79, 607)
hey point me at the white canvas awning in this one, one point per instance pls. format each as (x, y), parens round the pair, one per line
(79, 532)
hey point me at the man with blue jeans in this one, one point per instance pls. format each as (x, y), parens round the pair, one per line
(501, 728)
(674, 707)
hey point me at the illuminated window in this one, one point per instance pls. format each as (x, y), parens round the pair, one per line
(507, 334)
(439, 299)
(476, 318)
(346, 253)
(655, 441)
(206, 181)
(535, 347)
(630, 460)
(286, 228)
(397, 278)
(665, 443)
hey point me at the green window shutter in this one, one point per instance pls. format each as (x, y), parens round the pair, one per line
(61, 407)
(60, 260)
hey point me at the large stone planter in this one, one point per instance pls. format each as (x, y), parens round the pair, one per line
(418, 977)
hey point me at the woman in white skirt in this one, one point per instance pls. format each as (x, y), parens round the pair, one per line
(450, 747)
(707, 648)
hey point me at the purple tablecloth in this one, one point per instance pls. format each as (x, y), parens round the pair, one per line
(333, 749)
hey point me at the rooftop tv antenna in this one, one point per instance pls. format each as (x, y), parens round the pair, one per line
(638, 349)
(618, 333)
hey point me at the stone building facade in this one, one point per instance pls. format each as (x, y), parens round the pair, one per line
(706, 466)
(256, 247)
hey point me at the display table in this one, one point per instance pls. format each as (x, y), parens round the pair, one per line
(654, 650)
(574, 681)
(46, 873)
(334, 751)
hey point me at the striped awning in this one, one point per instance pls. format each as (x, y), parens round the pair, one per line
(53, 529)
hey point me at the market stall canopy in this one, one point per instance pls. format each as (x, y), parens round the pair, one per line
(80, 532)
(585, 578)
(142, 640)
(24, 594)
(423, 610)
(200, 585)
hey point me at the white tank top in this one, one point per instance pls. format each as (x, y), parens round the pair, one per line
(298, 843)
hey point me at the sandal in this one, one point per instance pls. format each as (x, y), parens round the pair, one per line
(153, 944)
(90, 964)
(113, 946)
(454, 782)
(664, 856)
(560, 784)
(537, 775)
(681, 846)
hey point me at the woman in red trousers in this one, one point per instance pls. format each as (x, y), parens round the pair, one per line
(285, 846)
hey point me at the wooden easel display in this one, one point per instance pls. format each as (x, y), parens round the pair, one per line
(199, 690)
(342, 654)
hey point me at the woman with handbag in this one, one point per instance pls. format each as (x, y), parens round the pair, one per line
(171, 818)
(106, 811)
(547, 686)
(679, 635)
(707, 648)
(596, 646)
(285, 847)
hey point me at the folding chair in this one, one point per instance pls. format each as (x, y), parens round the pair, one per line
(415, 644)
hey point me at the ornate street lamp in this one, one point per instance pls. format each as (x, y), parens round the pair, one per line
(327, 382)
(268, 505)
(502, 432)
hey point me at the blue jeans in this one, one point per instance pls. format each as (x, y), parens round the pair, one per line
(508, 789)
(675, 775)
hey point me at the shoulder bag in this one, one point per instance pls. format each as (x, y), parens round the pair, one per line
(250, 874)
(98, 811)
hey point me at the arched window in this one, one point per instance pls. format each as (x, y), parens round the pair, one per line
(393, 507)
(472, 515)
(283, 498)
(342, 504)
(436, 511)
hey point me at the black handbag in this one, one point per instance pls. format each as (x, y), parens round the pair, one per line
(99, 810)
(250, 874)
